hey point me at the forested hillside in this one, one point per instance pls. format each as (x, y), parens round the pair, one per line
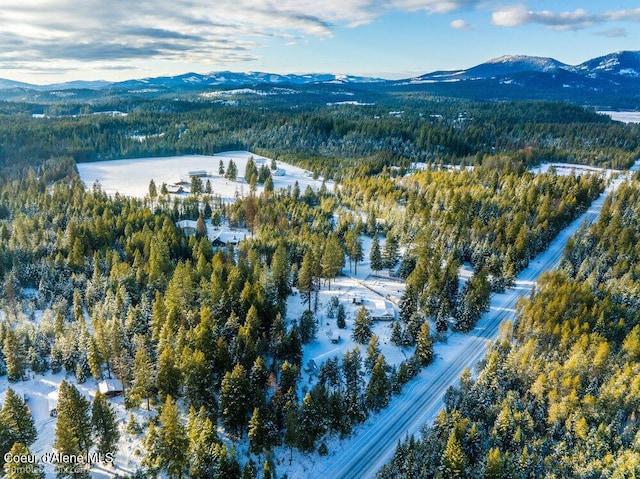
(558, 393)
(331, 140)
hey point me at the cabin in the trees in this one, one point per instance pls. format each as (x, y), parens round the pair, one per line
(198, 173)
(225, 237)
(381, 310)
(110, 388)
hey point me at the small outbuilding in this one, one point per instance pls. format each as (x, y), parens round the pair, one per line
(52, 400)
(110, 388)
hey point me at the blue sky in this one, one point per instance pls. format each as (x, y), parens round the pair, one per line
(46, 41)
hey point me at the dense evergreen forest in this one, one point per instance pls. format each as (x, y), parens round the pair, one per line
(200, 336)
(558, 393)
(331, 140)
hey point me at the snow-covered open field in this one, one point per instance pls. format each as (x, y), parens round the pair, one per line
(567, 169)
(132, 177)
(623, 116)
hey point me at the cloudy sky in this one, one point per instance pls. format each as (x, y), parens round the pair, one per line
(46, 41)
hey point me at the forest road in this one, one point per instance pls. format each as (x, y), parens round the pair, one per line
(374, 443)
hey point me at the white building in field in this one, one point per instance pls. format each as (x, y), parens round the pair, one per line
(380, 309)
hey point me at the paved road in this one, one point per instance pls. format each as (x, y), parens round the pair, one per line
(362, 455)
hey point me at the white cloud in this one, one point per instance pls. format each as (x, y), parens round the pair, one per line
(71, 32)
(460, 24)
(518, 15)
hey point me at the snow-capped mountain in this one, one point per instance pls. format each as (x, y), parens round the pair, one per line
(612, 80)
(617, 64)
(496, 68)
(623, 64)
(606, 80)
(227, 78)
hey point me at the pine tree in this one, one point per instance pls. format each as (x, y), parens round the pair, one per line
(257, 433)
(259, 378)
(17, 470)
(144, 379)
(378, 389)
(424, 347)
(362, 326)
(354, 248)
(390, 252)
(375, 257)
(305, 277)
(198, 380)
(309, 427)
(268, 185)
(372, 224)
(232, 171)
(373, 350)
(453, 459)
(14, 355)
(308, 327)
(235, 399)
(281, 271)
(153, 190)
(202, 438)
(168, 378)
(221, 168)
(201, 228)
(341, 317)
(493, 468)
(168, 445)
(73, 429)
(332, 259)
(16, 423)
(196, 185)
(250, 471)
(250, 170)
(105, 425)
(95, 359)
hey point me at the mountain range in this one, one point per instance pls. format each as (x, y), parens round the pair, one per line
(611, 79)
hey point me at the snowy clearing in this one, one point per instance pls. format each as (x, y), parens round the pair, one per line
(570, 169)
(623, 116)
(132, 177)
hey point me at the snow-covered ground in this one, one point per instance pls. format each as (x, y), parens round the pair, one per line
(374, 292)
(623, 116)
(38, 391)
(570, 169)
(132, 177)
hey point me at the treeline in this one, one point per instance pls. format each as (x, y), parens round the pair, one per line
(558, 393)
(397, 131)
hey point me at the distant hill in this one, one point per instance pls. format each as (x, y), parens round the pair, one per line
(610, 81)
